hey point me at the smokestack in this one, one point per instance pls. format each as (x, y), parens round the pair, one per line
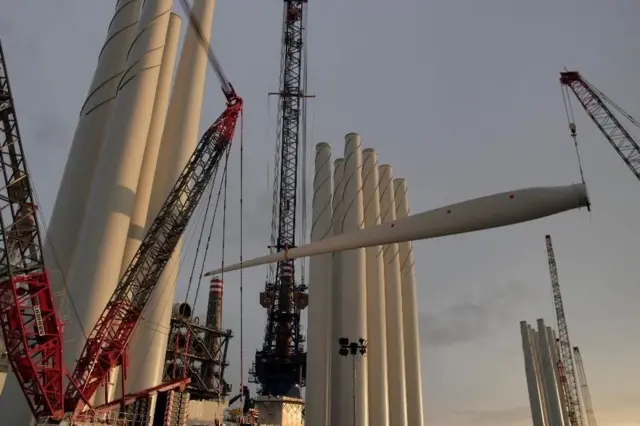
(178, 143)
(320, 282)
(376, 309)
(213, 321)
(214, 306)
(535, 397)
(139, 224)
(335, 392)
(75, 185)
(411, 333)
(393, 299)
(95, 270)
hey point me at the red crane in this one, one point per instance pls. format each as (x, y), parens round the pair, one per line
(565, 367)
(599, 107)
(30, 326)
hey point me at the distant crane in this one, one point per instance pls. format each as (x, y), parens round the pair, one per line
(567, 373)
(586, 395)
(597, 105)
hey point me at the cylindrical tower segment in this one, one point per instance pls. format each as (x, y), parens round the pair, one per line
(376, 307)
(320, 282)
(393, 293)
(354, 292)
(179, 140)
(410, 321)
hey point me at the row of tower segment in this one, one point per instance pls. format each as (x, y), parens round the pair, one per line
(367, 294)
(137, 128)
(541, 359)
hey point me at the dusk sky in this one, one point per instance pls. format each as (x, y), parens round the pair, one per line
(462, 98)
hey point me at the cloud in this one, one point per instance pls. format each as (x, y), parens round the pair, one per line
(492, 417)
(469, 319)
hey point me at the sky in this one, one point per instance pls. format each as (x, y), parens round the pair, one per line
(462, 99)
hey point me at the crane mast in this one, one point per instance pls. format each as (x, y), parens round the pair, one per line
(596, 104)
(281, 364)
(569, 379)
(586, 395)
(31, 329)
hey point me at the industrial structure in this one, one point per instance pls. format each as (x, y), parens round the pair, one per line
(600, 109)
(557, 392)
(134, 184)
(280, 366)
(107, 267)
(361, 264)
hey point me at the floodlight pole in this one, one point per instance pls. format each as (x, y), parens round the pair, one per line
(353, 348)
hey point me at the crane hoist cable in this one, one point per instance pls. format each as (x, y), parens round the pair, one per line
(568, 109)
(200, 242)
(599, 108)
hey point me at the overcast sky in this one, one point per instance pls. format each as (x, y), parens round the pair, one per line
(462, 98)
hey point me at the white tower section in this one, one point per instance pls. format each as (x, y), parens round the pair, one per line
(320, 279)
(335, 391)
(354, 290)
(548, 377)
(411, 333)
(376, 317)
(533, 385)
(393, 293)
(88, 139)
(96, 266)
(71, 200)
(179, 140)
(141, 219)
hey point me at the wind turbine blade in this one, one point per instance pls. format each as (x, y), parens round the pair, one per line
(492, 211)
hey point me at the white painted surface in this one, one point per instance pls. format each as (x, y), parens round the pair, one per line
(393, 293)
(178, 144)
(71, 201)
(320, 306)
(338, 215)
(535, 400)
(410, 320)
(140, 221)
(548, 377)
(354, 287)
(492, 211)
(95, 269)
(376, 306)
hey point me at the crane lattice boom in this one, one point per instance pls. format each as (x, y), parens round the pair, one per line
(105, 348)
(31, 329)
(573, 401)
(595, 103)
(586, 394)
(281, 364)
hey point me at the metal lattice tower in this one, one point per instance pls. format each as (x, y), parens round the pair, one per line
(281, 364)
(586, 394)
(596, 104)
(30, 327)
(573, 401)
